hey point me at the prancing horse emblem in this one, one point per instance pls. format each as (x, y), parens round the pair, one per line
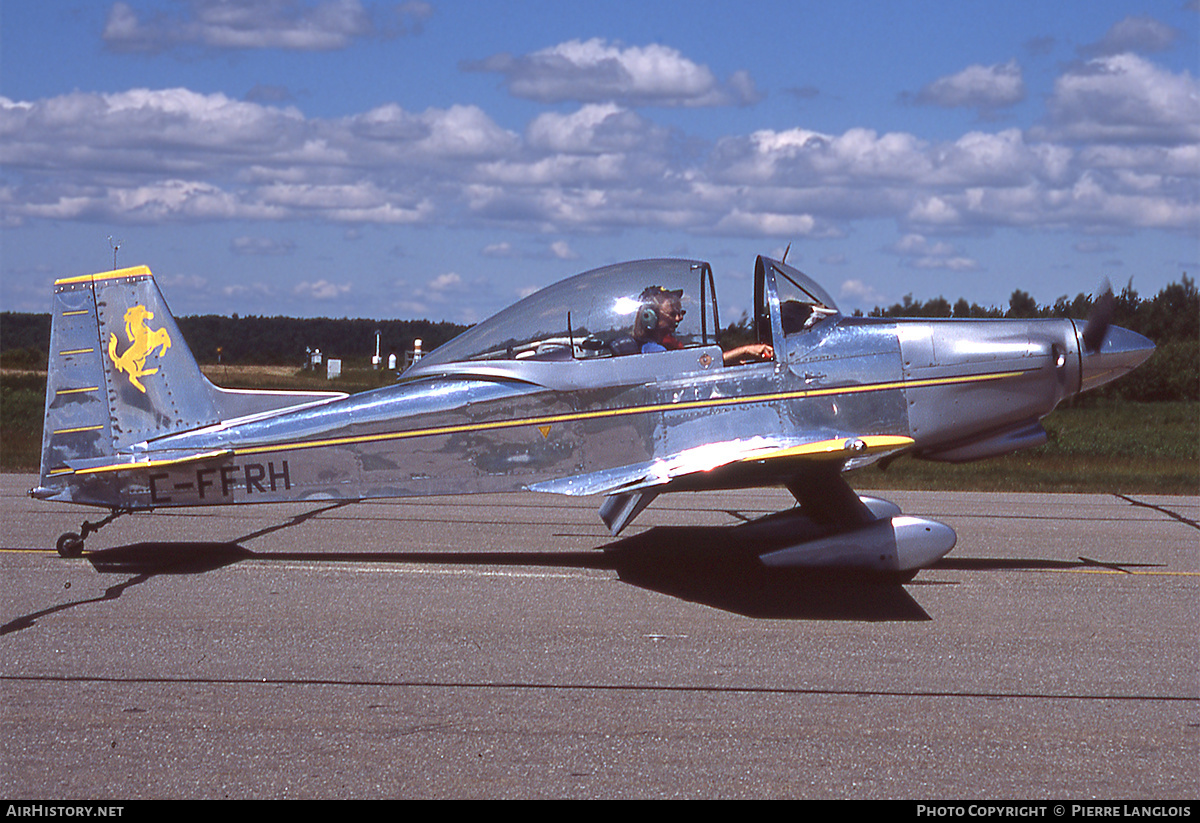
(142, 341)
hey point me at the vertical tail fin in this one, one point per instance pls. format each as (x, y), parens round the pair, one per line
(120, 372)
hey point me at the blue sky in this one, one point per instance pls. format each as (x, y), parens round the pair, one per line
(442, 158)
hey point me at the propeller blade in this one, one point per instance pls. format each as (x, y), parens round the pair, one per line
(1099, 319)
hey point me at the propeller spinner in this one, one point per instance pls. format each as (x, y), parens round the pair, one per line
(1099, 319)
(1108, 351)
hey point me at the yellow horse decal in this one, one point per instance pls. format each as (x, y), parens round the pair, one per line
(142, 342)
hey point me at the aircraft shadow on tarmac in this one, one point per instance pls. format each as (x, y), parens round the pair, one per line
(717, 566)
(695, 564)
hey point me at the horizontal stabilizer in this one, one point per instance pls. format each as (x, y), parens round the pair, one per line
(159, 462)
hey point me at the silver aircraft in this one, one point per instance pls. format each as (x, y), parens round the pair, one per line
(613, 382)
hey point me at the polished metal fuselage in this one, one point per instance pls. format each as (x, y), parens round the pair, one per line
(545, 396)
(579, 426)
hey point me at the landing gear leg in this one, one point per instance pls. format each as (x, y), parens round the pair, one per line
(70, 544)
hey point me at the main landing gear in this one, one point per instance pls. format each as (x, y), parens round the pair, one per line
(70, 544)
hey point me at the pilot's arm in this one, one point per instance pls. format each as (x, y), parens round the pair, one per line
(749, 354)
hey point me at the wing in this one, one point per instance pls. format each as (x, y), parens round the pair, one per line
(756, 461)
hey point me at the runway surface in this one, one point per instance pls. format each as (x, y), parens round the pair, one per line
(507, 647)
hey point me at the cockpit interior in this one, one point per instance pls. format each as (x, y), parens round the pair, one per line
(636, 308)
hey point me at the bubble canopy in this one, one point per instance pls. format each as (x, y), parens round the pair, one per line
(589, 315)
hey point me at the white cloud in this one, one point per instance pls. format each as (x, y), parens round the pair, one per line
(503, 249)
(446, 281)
(320, 290)
(986, 88)
(598, 71)
(157, 154)
(254, 289)
(561, 250)
(1120, 150)
(447, 294)
(322, 25)
(262, 246)
(1124, 98)
(558, 250)
(932, 211)
(918, 252)
(860, 293)
(390, 134)
(758, 222)
(191, 282)
(800, 156)
(1139, 34)
(595, 128)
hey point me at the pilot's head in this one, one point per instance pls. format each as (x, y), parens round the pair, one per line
(660, 312)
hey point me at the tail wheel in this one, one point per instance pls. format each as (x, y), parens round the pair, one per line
(70, 545)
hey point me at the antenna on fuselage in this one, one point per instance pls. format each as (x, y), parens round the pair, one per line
(785, 252)
(116, 244)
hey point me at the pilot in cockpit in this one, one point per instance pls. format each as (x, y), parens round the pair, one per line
(658, 316)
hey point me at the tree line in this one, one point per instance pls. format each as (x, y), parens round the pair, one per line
(250, 340)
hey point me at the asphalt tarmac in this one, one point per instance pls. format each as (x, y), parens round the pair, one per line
(507, 647)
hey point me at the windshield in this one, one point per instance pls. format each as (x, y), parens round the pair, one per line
(802, 304)
(601, 313)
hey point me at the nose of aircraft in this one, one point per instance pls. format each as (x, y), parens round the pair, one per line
(1121, 352)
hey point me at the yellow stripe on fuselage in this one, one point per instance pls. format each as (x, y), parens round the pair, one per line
(605, 413)
(873, 442)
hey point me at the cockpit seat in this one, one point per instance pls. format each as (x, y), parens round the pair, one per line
(624, 345)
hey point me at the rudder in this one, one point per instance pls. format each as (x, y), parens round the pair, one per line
(120, 371)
